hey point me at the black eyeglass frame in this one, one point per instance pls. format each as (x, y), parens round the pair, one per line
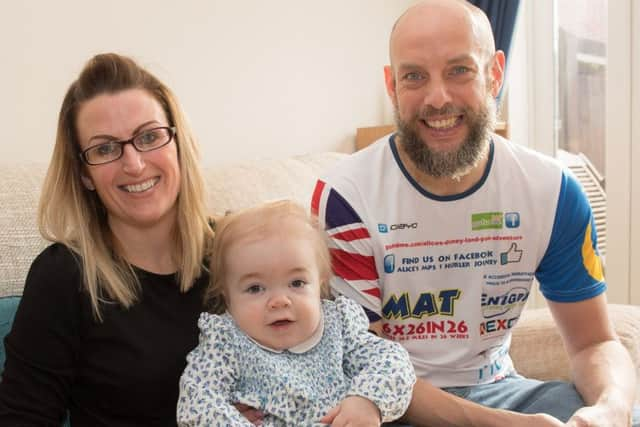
(172, 133)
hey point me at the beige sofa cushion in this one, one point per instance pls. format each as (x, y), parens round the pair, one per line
(20, 240)
(252, 182)
(537, 350)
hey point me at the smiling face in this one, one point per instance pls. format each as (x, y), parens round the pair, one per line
(441, 86)
(272, 285)
(138, 190)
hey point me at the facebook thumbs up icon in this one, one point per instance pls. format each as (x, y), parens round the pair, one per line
(513, 254)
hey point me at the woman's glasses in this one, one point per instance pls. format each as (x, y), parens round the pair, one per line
(147, 140)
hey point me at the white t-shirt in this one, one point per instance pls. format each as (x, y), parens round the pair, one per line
(449, 276)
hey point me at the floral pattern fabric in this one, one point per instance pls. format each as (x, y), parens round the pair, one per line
(292, 389)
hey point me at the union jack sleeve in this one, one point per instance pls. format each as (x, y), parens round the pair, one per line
(352, 257)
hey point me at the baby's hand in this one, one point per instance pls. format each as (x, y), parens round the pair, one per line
(353, 411)
(254, 416)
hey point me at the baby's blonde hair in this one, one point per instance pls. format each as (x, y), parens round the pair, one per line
(261, 220)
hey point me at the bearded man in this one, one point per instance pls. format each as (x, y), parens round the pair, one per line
(439, 230)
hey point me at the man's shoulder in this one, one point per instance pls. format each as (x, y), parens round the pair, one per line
(517, 157)
(521, 152)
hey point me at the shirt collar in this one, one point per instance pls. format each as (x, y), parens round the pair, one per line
(304, 346)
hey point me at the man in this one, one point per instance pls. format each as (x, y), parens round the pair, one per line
(439, 230)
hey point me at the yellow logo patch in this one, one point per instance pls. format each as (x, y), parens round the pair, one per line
(590, 258)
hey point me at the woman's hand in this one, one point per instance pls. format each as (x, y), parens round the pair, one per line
(353, 411)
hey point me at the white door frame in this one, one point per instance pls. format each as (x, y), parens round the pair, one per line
(618, 151)
(634, 252)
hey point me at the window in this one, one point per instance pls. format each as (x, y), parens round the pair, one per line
(574, 87)
(581, 63)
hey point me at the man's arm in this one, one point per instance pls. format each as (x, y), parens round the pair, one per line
(572, 279)
(603, 372)
(433, 407)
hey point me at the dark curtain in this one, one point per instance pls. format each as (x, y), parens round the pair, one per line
(502, 15)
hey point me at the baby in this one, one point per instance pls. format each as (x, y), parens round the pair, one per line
(280, 347)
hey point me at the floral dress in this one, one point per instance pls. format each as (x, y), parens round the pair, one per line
(292, 389)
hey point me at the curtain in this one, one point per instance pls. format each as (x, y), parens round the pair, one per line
(502, 14)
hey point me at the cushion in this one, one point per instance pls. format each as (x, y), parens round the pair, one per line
(251, 182)
(537, 350)
(8, 307)
(20, 240)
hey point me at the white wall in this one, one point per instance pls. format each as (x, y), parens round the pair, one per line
(256, 78)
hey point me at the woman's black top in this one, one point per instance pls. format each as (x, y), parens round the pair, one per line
(123, 371)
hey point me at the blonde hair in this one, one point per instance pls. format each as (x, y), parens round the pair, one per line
(258, 221)
(70, 214)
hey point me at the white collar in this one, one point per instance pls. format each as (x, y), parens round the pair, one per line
(304, 346)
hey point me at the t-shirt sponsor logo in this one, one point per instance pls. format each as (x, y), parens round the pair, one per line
(389, 263)
(428, 303)
(497, 326)
(512, 219)
(486, 221)
(497, 305)
(494, 220)
(384, 228)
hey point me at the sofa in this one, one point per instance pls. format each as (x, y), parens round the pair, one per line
(537, 349)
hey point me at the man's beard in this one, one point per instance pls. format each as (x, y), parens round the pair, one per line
(452, 164)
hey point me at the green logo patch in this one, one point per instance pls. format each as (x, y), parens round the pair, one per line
(486, 220)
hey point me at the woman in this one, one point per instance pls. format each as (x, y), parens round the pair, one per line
(110, 310)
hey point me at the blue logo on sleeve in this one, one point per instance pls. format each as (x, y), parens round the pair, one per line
(383, 228)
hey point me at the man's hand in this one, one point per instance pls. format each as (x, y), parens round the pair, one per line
(602, 369)
(353, 411)
(599, 416)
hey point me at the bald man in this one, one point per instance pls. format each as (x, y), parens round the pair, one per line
(439, 230)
